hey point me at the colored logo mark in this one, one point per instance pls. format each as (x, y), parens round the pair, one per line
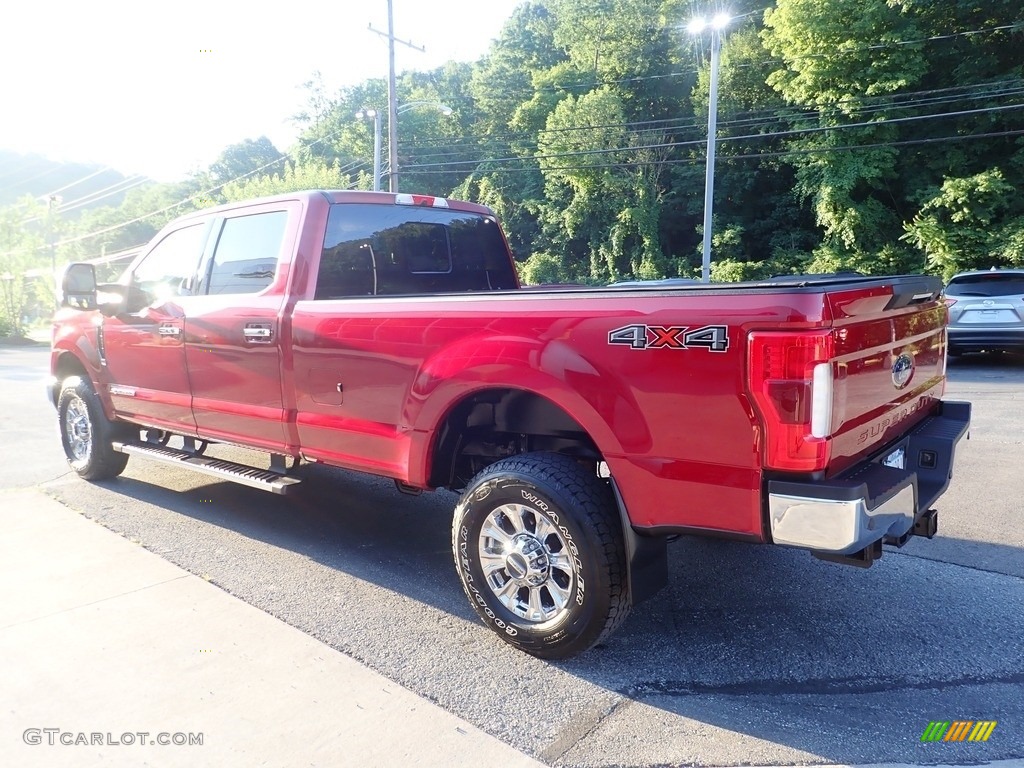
(959, 730)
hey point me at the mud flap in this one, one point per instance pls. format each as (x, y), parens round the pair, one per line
(646, 557)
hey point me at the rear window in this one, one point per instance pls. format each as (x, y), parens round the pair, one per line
(384, 250)
(989, 284)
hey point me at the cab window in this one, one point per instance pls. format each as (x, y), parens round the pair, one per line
(167, 270)
(247, 252)
(381, 250)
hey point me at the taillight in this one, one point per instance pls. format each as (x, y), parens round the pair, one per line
(949, 302)
(791, 381)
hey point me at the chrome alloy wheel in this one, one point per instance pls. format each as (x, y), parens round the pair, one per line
(78, 429)
(526, 562)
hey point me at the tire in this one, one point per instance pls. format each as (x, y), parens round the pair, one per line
(538, 546)
(87, 434)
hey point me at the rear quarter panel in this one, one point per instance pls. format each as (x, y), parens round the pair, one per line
(673, 423)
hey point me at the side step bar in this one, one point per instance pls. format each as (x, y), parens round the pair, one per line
(263, 479)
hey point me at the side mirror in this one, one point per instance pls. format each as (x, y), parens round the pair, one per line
(78, 286)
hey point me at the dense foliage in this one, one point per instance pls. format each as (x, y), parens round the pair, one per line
(877, 135)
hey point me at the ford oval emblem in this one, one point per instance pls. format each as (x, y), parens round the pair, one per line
(902, 370)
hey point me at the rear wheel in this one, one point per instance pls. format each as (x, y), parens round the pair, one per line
(87, 434)
(539, 548)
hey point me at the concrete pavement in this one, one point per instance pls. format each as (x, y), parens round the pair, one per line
(107, 651)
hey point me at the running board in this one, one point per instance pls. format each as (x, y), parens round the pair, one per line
(226, 470)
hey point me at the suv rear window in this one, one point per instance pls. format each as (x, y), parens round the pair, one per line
(384, 250)
(988, 284)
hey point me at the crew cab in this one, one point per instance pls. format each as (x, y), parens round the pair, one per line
(584, 427)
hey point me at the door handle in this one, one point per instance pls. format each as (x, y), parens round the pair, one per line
(258, 333)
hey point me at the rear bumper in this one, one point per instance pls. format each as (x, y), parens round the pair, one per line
(873, 504)
(977, 339)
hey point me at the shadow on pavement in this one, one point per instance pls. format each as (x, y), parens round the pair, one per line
(835, 663)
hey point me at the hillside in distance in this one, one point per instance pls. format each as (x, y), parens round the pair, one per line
(81, 184)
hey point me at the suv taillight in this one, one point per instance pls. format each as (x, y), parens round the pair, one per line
(791, 381)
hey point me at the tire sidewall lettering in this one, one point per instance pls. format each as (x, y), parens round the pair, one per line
(470, 582)
(535, 499)
(579, 509)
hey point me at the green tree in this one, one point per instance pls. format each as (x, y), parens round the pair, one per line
(247, 157)
(27, 285)
(313, 174)
(608, 224)
(970, 224)
(838, 55)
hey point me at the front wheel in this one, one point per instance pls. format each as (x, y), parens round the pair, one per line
(539, 549)
(87, 434)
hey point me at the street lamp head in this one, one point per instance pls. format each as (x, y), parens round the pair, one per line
(444, 109)
(362, 113)
(716, 23)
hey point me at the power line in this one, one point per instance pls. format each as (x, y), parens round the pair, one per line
(456, 149)
(860, 49)
(76, 183)
(777, 134)
(909, 100)
(118, 187)
(192, 198)
(763, 155)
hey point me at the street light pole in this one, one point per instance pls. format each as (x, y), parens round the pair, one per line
(444, 109)
(717, 25)
(375, 116)
(52, 204)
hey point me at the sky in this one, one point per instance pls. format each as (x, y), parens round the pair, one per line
(162, 89)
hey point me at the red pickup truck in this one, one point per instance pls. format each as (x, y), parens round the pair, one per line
(583, 426)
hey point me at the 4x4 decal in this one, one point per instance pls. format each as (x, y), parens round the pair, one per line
(712, 337)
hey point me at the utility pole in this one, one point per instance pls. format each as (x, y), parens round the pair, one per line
(374, 114)
(393, 96)
(52, 204)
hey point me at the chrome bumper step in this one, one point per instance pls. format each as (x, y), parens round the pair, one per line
(263, 479)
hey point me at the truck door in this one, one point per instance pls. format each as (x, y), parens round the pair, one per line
(358, 348)
(233, 335)
(143, 346)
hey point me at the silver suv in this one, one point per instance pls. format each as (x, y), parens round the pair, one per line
(986, 311)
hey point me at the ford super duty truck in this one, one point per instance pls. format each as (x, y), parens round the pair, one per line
(583, 427)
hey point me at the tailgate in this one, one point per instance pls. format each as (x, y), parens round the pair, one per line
(889, 364)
